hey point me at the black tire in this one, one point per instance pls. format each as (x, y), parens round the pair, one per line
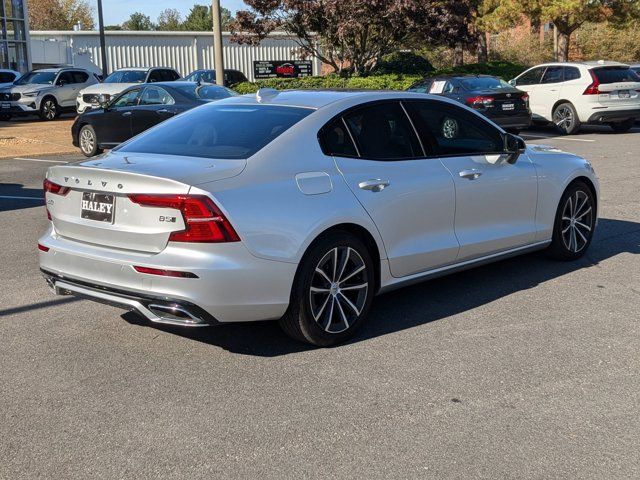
(573, 230)
(337, 321)
(623, 127)
(88, 141)
(49, 109)
(566, 120)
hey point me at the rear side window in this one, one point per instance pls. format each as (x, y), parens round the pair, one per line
(615, 75)
(6, 77)
(532, 77)
(218, 131)
(335, 140)
(448, 130)
(571, 73)
(383, 132)
(553, 75)
(155, 76)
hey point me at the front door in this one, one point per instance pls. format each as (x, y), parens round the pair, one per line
(155, 106)
(529, 82)
(411, 199)
(495, 203)
(114, 125)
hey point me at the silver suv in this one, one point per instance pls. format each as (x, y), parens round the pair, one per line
(46, 92)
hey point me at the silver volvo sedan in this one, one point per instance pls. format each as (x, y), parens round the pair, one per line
(303, 205)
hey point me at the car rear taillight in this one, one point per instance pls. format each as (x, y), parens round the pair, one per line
(525, 99)
(593, 88)
(480, 101)
(49, 187)
(204, 222)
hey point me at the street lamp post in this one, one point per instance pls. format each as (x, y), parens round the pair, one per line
(217, 42)
(103, 48)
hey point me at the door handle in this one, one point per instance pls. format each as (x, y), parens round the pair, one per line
(126, 114)
(164, 110)
(470, 174)
(375, 185)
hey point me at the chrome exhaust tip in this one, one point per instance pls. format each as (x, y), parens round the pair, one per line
(174, 314)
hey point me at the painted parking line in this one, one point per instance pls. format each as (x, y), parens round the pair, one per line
(40, 160)
(15, 197)
(551, 137)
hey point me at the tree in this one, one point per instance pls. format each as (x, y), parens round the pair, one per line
(201, 20)
(60, 14)
(170, 19)
(567, 16)
(138, 21)
(352, 35)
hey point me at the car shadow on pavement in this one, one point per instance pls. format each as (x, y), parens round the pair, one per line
(14, 196)
(426, 302)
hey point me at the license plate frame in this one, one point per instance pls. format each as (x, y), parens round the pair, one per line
(95, 206)
(624, 94)
(5, 105)
(508, 107)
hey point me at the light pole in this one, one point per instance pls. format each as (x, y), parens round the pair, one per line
(218, 62)
(103, 48)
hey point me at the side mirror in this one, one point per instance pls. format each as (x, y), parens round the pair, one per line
(512, 82)
(514, 146)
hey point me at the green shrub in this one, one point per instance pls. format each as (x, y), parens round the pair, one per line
(392, 81)
(407, 63)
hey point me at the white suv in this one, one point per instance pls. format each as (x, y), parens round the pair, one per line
(572, 94)
(118, 81)
(46, 92)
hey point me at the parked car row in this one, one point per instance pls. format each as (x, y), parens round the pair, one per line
(50, 92)
(567, 95)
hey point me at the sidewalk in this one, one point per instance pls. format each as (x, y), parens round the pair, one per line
(29, 136)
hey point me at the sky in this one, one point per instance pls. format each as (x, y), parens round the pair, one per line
(117, 11)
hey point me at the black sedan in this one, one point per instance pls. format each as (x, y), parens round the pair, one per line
(505, 105)
(136, 109)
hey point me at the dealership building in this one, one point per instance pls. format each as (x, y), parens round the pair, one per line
(14, 35)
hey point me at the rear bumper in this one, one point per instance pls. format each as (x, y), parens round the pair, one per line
(606, 116)
(512, 121)
(232, 285)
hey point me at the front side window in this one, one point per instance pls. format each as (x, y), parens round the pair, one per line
(532, 77)
(383, 132)
(126, 76)
(218, 131)
(156, 96)
(127, 99)
(155, 76)
(448, 130)
(65, 78)
(335, 139)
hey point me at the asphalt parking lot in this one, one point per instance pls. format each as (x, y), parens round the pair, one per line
(526, 368)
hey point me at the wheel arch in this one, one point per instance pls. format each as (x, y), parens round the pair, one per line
(362, 234)
(560, 102)
(587, 181)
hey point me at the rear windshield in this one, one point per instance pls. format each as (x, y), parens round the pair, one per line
(218, 131)
(615, 75)
(206, 92)
(484, 83)
(126, 76)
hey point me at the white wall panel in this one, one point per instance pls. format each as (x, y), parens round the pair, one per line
(184, 51)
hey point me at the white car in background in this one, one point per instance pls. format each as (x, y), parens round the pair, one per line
(119, 81)
(7, 77)
(572, 94)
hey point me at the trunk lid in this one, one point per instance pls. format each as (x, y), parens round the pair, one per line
(505, 102)
(97, 209)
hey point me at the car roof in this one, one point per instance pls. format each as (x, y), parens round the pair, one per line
(315, 99)
(451, 76)
(588, 64)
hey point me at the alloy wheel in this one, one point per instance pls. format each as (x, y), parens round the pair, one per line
(49, 109)
(87, 141)
(577, 221)
(563, 118)
(339, 289)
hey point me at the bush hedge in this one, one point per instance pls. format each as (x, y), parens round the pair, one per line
(392, 81)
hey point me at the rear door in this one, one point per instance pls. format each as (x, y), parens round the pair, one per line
(410, 198)
(67, 89)
(154, 106)
(495, 202)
